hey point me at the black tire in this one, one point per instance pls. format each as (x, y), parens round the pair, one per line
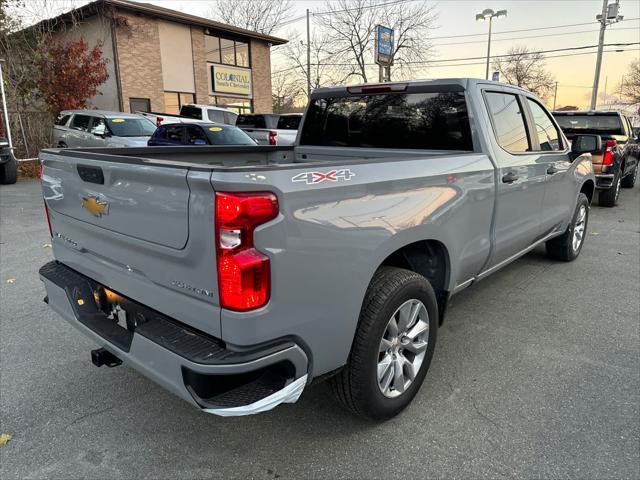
(62, 145)
(609, 197)
(562, 248)
(9, 172)
(356, 386)
(630, 180)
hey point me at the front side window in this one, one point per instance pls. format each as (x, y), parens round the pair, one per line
(508, 121)
(80, 122)
(195, 136)
(548, 135)
(431, 121)
(172, 133)
(98, 127)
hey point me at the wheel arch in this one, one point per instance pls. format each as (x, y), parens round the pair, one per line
(429, 258)
(588, 188)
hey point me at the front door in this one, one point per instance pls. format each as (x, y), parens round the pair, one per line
(553, 154)
(521, 178)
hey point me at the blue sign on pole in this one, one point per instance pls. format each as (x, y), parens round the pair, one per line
(496, 76)
(384, 45)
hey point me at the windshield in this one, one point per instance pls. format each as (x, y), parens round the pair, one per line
(590, 124)
(433, 121)
(227, 135)
(131, 127)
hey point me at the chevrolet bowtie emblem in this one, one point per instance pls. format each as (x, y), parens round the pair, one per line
(95, 206)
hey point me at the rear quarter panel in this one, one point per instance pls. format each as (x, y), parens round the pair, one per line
(331, 237)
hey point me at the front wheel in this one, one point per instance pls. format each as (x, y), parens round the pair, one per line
(9, 172)
(567, 246)
(393, 345)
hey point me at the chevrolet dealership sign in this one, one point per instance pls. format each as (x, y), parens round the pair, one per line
(231, 80)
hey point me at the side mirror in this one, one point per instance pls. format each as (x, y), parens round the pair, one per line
(585, 144)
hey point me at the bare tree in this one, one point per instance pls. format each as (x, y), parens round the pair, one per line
(263, 16)
(630, 85)
(285, 92)
(350, 29)
(525, 69)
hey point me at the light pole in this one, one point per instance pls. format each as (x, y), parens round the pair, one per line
(489, 14)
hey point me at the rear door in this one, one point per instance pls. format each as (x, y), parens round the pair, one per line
(520, 177)
(553, 154)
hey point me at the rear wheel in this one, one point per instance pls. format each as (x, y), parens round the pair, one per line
(393, 345)
(9, 172)
(630, 180)
(567, 246)
(609, 197)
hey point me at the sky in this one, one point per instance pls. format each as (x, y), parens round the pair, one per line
(574, 72)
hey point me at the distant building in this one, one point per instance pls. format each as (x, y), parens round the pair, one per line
(160, 59)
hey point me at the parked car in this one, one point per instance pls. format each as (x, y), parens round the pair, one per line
(617, 164)
(271, 129)
(198, 134)
(8, 164)
(235, 277)
(99, 128)
(194, 113)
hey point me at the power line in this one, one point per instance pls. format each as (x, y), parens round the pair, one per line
(529, 36)
(366, 7)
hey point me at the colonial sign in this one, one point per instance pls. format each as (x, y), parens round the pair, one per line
(384, 45)
(231, 80)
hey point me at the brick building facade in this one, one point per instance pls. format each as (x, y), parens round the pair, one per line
(159, 59)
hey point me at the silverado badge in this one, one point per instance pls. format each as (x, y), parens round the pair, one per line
(95, 206)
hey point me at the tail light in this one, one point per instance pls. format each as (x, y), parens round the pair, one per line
(159, 121)
(273, 138)
(46, 209)
(244, 275)
(607, 158)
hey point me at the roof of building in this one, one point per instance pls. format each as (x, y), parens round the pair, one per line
(94, 7)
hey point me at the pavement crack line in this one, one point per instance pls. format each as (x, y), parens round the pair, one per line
(90, 414)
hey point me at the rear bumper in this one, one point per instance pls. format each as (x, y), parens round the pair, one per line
(196, 367)
(604, 181)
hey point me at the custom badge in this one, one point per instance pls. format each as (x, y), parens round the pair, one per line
(95, 206)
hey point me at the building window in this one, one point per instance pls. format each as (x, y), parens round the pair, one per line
(174, 100)
(226, 51)
(139, 105)
(238, 105)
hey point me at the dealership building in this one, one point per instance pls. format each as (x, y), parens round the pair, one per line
(159, 59)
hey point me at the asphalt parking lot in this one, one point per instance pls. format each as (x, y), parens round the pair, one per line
(536, 374)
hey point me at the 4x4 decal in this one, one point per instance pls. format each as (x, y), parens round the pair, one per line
(311, 178)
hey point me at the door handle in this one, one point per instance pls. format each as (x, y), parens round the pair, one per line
(510, 178)
(552, 170)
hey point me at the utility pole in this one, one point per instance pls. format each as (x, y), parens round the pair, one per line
(308, 56)
(608, 16)
(555, 95)
(486, 74)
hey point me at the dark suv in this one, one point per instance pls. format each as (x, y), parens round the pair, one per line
(172, 134)
(617, 165)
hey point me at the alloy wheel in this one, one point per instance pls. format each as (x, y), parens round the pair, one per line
(402, 348)
(579, 228)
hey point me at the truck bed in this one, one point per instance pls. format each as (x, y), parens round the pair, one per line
(240, 157)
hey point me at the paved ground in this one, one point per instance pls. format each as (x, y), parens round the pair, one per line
(536, 374)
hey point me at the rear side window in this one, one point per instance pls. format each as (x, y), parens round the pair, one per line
(289, 122)
(216, 116)
(548, 135)
(173, 133)
(508, 121)
(190, 111)
(251, 121)
(432, 121)
(80, 122)
(62, 119)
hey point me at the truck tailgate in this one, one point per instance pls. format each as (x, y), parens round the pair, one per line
(145, 231)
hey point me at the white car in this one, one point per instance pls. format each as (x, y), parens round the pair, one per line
(194, 113)
(271, 128)
(99, 128)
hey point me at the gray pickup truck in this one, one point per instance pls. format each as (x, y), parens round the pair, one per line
(235, 276)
